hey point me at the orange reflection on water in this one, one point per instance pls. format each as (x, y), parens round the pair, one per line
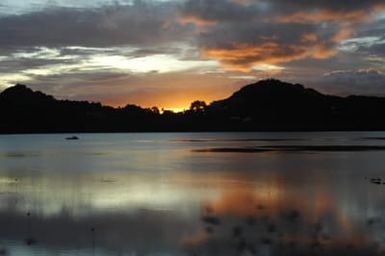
(247, 200)
(275, 211)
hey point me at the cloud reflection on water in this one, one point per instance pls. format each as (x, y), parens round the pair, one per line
(159, 198)
(264, 213)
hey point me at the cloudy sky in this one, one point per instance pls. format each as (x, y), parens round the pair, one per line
(170, 52)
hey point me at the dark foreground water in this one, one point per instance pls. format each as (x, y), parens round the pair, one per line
(193, 194)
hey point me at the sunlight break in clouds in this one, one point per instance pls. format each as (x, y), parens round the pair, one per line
(155, 63)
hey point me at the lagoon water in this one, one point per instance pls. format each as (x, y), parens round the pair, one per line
(193, 194)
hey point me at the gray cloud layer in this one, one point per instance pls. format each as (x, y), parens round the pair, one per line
(139, 24)
(307, 38)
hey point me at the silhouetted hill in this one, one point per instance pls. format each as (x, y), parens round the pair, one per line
(21, 94)
(265, 105)
(24, 110)
(275, 105)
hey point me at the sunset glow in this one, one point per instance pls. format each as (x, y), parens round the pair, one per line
(192, 127)
(177, 51)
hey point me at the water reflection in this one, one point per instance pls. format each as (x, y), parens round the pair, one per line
(196, 213)
(243, 221)
(195, 203)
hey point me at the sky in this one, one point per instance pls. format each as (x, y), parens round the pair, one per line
(168, 53)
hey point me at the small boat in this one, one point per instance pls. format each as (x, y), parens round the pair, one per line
(72, 138)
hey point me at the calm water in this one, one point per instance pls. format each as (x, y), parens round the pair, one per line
(193, 194)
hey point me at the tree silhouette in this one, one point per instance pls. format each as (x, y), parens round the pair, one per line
(268, 105)
(198, 106)
(155, 110)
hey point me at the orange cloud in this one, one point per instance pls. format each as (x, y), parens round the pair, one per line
(198, 21)
(379, 7)
(242, 57)
(321, 51)
(309, 37)
(326, 16)
(343, 34)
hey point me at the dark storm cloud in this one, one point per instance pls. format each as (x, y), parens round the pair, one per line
(248, 33)
(83, 51)
(20, 64)
(344, 5)
(83, 85)
(219, 10)
(89, 79)
(142, 23)
(120, 51)
(29, 58)
(376, 29)
(361, 82)
(375, 51)
(367, 47)
(260, 10)
(372, 40)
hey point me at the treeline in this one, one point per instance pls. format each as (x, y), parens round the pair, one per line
(268, 105)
